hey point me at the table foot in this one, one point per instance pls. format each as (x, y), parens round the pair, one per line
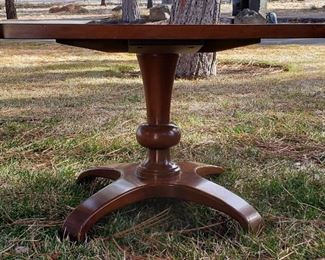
(114, 196)
(129, 188)
(200, 190)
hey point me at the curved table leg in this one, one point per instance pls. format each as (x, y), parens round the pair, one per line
(114, 196)
(215, 196)
(128, 189)
(197, 189)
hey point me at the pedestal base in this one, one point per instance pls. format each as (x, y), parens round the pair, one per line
(157, 176)
(128, 188)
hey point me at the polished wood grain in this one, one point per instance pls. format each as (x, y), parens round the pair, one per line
(158, 32)
(158, 176)
(158, 48)
(188, 185)
(157, 38)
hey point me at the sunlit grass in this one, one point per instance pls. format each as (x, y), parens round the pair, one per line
(64, 109)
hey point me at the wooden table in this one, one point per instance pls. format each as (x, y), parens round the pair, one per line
(158, 48)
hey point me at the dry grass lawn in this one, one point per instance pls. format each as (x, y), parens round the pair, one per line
(65, 109)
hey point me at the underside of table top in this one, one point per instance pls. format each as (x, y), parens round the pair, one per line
(157, 38)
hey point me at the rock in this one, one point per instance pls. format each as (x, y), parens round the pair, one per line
(83, 11)
(21, 250)
(248, 16)
(117, 11)
(55, 9)
(70, 8)
(271, 17)
(159, 13)
(259, 6)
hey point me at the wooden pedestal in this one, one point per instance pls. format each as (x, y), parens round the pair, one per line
(157, 176)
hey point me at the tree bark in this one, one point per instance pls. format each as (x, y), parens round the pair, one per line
(166, 2)
(149, 4)
(11, 9)
(103, 2)
(196, 12)
(130, 11)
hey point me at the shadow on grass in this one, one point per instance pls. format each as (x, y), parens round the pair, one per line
(61, 72)
(117, 93)
(47, 197)
(283, 93)
(44, 198)
(298, 195)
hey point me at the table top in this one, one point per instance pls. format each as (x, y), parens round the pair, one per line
(156, 38)
(39, 30)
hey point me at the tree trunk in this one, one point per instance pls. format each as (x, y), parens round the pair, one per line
(244, 4)
(166, 2)
(149, 4)
(103, 2)
(130, 11)
(11, 9)
(196, 12)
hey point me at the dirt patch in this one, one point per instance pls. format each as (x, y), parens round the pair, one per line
(295, 149)
(71, 9)
(226, 68)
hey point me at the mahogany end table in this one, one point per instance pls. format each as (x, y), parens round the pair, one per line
(158, 48)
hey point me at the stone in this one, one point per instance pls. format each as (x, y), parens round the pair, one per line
(21, 250)
(248, 16)
(70, 8)
(55, 9)
(159, 13)
(272, 18)
(260, 6)
(117, 11)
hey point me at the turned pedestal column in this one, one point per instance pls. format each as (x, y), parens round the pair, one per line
(157, 176)
(158, 135)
